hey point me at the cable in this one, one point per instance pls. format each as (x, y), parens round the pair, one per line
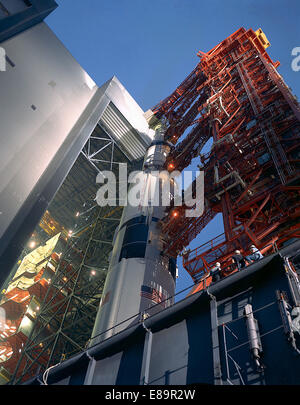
(145, 327)
(46, 373)
(89, 356)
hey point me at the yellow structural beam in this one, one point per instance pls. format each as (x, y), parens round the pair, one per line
(262, 38)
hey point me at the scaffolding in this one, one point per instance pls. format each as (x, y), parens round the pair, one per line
(236, 98)
(67, 289)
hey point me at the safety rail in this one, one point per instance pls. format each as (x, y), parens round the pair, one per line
(202, 284)
(140, 317)
(211, 244)
(217, 249)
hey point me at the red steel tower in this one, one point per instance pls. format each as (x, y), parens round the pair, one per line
(236, 97)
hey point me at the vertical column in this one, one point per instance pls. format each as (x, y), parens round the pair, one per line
(215, 341)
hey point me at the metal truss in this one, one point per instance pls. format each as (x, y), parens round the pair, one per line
(69, 304)
(235, 97)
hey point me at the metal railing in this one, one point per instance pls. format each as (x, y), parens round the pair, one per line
(211, 252)
(141, 316)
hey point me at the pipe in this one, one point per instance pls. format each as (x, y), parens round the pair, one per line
(253, 335)
(288, 324)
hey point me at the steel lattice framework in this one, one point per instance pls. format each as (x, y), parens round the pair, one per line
(236, 97)
(69, 287)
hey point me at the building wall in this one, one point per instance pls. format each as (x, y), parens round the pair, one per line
(50, 108)
(45, 93)
(19, 15)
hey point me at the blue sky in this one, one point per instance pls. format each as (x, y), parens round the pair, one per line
(151, 45)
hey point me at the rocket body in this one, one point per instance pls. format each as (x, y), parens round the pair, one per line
(140, 278)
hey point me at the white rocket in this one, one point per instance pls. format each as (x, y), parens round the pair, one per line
(140, 278)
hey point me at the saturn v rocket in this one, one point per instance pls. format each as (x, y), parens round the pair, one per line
(140, 279)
